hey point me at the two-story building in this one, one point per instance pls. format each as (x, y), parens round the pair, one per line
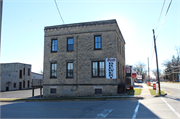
(15, 76)
(84, 59)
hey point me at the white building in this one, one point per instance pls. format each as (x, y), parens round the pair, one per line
(35, 76)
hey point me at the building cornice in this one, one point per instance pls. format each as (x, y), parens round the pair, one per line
(76, 25)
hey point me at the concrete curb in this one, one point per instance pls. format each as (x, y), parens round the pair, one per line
(71, 99)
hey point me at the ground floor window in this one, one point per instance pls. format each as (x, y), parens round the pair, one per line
(53, 70)
(14, 85)
(23, 84)
(98, 91)
(69, 69)
(98, 69)
(28, 84)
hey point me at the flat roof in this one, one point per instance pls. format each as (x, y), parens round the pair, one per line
(15, 63)
(83, 24)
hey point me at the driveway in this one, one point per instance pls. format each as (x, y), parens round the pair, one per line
(20, 93)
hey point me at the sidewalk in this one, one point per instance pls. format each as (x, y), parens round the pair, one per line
(145, 91)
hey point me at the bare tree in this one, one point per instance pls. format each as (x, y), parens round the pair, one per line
(154, 71)
(139, 68)
(172, 66)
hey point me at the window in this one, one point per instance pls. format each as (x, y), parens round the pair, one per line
(118, 71)
(23, 84)
(98, 91)
(54, 45)
(24, 71)
(53, 70)
(69, 70)
(120, 48)
(70, 44)
(28, 84)
(98, 69)
(28, 71)
(20, 74)
(97, 42)
(14, 85)
(53, 90)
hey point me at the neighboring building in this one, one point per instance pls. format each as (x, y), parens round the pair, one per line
(15, 76)
(36, 77)
(75, 59)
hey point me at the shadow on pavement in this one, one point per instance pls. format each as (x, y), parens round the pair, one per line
(137, 86)
(173, 98)
(75, 109)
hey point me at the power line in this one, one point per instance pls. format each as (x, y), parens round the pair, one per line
(164, 18)
(61, 16)
(160, 14)
(59, 11)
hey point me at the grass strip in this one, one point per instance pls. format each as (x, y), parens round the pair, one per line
(153, 92)
(135, 91)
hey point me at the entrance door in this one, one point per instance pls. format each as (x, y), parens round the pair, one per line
(28, 84)
(20, 85)
(7, 88)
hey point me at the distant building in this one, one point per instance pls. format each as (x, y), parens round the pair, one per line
(15, 76)
(35, 76)
(84, 59)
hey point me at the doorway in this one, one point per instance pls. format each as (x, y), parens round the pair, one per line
(20, 85)
(7, 88)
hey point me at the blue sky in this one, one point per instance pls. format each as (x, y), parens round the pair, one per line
(23, 25)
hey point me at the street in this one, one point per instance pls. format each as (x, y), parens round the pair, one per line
(73, 109)
(167, 107)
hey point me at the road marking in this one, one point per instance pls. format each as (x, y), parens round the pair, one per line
(136, 110)
(171, 108)
(104, 113)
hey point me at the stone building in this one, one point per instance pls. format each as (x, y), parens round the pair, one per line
(76, 59)
(15, 76)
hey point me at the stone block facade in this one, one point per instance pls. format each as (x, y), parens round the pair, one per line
(85, 49)
(15, 76)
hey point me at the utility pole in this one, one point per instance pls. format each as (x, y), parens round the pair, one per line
(1, 6)
(148, 70)
(156, 61)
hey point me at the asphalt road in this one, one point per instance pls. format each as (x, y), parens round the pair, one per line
(173, 89)
(75, 109)
(167, 107)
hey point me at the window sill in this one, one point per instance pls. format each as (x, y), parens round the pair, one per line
(97, 49)
(53, 51)
(98, 77)
(53, 77)
(69, 77)
(70, 51)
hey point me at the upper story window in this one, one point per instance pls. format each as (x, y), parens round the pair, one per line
(24, 71)
(54, 45)
(28, 71)
(70, 44)
(20, 74)
(98, 69)
(53, 70)
(69, 70)
(97, 42)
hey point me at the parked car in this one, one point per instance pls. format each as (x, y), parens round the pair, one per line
(138, 81)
